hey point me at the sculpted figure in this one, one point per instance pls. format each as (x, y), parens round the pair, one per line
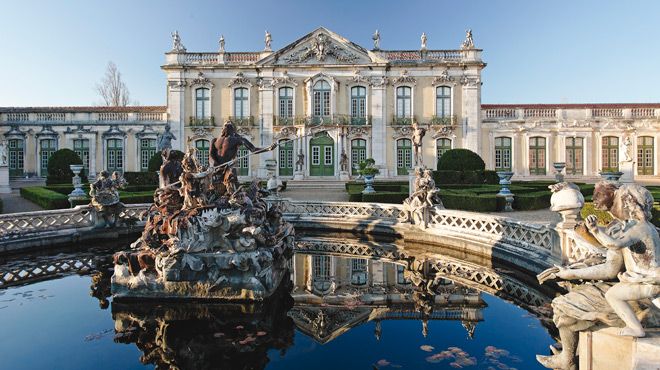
(222, 155)
(376, 38)
(105, 196)
(632, 248)
(3, 153)
(423, 197)
(627, 149)
(300, 162)
(176, 42)
(343, 161)
(222, 43)
(468, 43)
(267, 40)
(423, 38)
(171, 168)
(417, 138)
(164, 140)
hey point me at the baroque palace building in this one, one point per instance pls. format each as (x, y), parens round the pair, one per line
(323, 95)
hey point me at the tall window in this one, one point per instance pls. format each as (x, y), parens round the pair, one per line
(537, 155)
(400, 275)
(81, 147)
(645, 155)
(502, 154)
(243, 161)
(441, 146)
(358, 154)
(286, 102)
(202, 103)
(443, 101)
(358, 271)
(16, 157)
(115, 155)
(321, 99)
(403, 102)
(147, 150)
(574, 155)
(358, 105)
(321, 272)
(403, 156)
(610, 154)
(241, 102)
(202, 147)
(286, 157)
(46, 148)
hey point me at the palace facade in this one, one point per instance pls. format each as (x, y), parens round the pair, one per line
(323, 95)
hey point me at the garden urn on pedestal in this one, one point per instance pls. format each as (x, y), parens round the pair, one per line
(505, 181)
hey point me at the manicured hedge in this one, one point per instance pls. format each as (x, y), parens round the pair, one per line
(45, 198)
(532, 201)
(468, 201)
(460, 160)
(58, 167)
(385, 197)
(142, 178)
(446, 177)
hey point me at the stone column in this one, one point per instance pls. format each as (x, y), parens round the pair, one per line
(265, 119)
(379, 127)
(471, 117)
(176, 109)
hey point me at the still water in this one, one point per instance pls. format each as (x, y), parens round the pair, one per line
(333, 312)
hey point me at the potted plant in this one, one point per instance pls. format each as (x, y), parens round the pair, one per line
(368, 170)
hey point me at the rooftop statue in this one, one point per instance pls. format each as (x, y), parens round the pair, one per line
(268, 40)
(616, 287)
(468, 43)
(424, 39)
(222, 43)
(177, 46)
(206, 236)
(376, 38)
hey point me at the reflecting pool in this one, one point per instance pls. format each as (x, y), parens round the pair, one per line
(338, 309)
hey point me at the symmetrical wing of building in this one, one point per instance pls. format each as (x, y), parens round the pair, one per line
(322, 96)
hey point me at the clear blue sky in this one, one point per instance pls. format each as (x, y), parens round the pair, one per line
(54, 52)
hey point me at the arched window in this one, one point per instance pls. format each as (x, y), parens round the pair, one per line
(358, 271)
(241, 108)
(610, 154)
(286, 102)
(358, 154)
(358, 105)
(16, 157)
(502, 153)
(403, 156)
(441, 146)
(202, 103)
(202, 146)
(443, 101)
(403, 102)
(574, 155)
(321, 93)
(537, 155)
(115, 155)
(645, 155)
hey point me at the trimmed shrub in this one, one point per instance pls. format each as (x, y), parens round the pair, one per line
(604, 217)
(446, 177)
(58, 167)
(45, 198)
(532, 201)
(385, 197)
(461, 160)
(142, 178)
(467, 201)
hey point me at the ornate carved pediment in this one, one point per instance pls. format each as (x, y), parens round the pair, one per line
(14, 132)
(284, 80)
(176, 84)
(443, 79)
(381, 81)
(114, 130)
(201, 133)
(360, 79)
(240, 79)
(405, 78)
(79, 129)
(245, 132)
(146, 131)
(286, 133)
(444, 131)
(46, 131)
(357, 132)
(319, 49)
(326, 324)
(201, 80)
(403, 131)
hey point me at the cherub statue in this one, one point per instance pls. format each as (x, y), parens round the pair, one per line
(632, 248)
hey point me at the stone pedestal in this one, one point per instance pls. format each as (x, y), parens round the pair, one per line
(344, 176)
(604, 350)
(4, 180)
(298, 175)
(411, 181)
(628, 172)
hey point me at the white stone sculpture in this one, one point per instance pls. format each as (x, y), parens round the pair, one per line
(3, 153)
(222, 43)
(424, 39)
(267, 40)
(417, 140)
(627, 149)
(568, 201)
(376, 38)
(468, 43)
(423, 198)
(164, 140)
(177, 46)
(631, 246)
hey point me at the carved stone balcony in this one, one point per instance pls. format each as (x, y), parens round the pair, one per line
(402, 121)
(451, 120)
(288, 121)
(201, 122)
(247, 121)
(348, 120)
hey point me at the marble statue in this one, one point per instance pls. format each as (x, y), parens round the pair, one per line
(206, 237)
(627, 149)
(3, 153)
(424, 197)
(424, 39)
(267, 40)
(468, 43)
(164, 140)
(376, 38)
(104, 193)
(343, 161)
(222, 43)
(300, 161)
(171, 169)
(631, 249)
(417, 140)
(176, 42)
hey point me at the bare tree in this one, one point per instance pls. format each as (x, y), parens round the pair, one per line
(112, 88)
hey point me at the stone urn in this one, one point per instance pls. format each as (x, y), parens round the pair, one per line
(611, 176)
(78, 193)
(505, 192)
(559, 169)
(368, 184)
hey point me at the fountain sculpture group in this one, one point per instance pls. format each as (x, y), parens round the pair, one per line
(205, 235)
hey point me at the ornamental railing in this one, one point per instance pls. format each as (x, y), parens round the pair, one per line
(402, 121)
(443, 120)
(507, 113)
(642, 112)
(242, 121)
(607, 112)
(113, 116)
(201, 122)
(540, 113)
(201, 58)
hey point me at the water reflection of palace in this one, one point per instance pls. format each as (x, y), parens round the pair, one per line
(333, 294)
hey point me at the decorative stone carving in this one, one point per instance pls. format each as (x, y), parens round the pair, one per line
(631, 244)
(423, 38)
(443, 78)
(321, 47)
(468, 43)
(376, 38)
(164, 140)
(202, 80)
(285, 133)
(267, 41)
(206, 236)
(177, 46)
(284, 80)
(176, 85)
(627, 149)
(359, 78)
(47, 131)
(80, 129)
(404, 78)
(418, 140)
(300, 161)
(3, 153)
(568, 201)
(424, 196)
(403, 131)
(357, 131)
(240, 79)
(105, 197)
(443, 131)
(381, 81)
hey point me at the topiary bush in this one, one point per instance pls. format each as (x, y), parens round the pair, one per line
(58, 167)
(157, 160)
(461, 160)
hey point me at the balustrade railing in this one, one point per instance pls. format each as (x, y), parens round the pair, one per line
(247, 121)
(443, 120)
(201, 58)
(402, 121)
(112, 116)
(506, 113)
(444, 54)
(241, 57)
(50, 117)
(643, 112)
(607, 112)
(150, 116)
(540, 113)
(16, 117)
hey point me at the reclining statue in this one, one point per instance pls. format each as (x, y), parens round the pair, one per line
(632, 250)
